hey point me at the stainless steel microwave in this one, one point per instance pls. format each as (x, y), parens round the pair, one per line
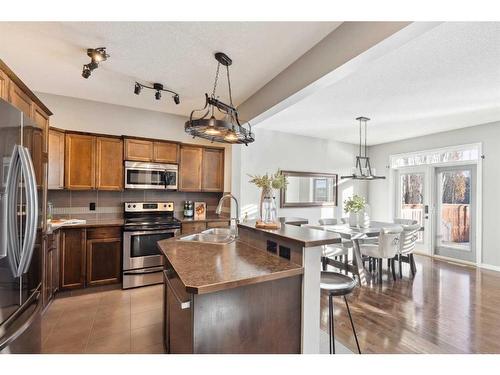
(139, 175)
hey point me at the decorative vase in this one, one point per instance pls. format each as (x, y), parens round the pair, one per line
(364, 217)
(353, 219)
(268, 209)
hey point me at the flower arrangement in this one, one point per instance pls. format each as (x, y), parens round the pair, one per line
(266, 182)
(354, 204)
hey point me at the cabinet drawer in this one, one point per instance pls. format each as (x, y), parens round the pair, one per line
(218, 224)
(104, 233)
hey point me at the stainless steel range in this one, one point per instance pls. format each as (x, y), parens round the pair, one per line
(146, 223)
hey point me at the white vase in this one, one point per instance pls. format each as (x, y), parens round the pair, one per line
(364, 217)
(353, 219)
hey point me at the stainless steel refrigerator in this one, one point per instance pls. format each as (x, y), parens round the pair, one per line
(22, 225)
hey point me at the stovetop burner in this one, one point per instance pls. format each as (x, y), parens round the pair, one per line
(150, 216)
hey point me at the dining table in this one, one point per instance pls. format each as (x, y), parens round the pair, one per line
(356, 234)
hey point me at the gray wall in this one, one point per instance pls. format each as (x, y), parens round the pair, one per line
(276, 150)
(489, 136)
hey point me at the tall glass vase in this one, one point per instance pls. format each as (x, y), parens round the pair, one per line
(268, 208)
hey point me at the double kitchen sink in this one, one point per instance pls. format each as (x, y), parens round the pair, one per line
(220, 236)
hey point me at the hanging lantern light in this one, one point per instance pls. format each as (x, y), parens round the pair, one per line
(363, 169)
(226, 129)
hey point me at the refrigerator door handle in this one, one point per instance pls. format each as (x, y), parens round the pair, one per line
(31, 211)
(10, 211)
(6, 199)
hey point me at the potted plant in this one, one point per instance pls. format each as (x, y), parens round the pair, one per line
(356, 206)
(268, 183)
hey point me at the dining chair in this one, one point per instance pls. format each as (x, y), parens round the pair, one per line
(405, 221)
(408, 241)
(334, 251)
(387, 247)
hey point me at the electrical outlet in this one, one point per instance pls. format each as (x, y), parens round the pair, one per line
(92, 206)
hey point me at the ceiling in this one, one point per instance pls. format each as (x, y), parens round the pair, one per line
(444, 79)
(48, 57)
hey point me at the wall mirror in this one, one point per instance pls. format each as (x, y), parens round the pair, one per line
(307, 189)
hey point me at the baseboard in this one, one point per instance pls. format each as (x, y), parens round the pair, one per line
(490, 267)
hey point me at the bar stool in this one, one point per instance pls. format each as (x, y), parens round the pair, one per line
(337, 284)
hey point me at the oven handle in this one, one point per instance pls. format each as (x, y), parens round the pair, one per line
(139, 233)
(184, 304)
(143, 272)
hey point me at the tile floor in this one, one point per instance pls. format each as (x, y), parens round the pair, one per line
(109, 321)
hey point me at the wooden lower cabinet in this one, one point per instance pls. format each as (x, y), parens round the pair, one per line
(104, 261)
(90, 257)
(215, 323)
(51, 277)
(73, 257)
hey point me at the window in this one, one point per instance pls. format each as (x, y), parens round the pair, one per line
(447, 154)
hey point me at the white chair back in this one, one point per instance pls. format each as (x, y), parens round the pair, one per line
(388, 242)
(409, 238)
(327, 221)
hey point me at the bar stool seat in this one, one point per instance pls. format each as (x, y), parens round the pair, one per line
(336, 284)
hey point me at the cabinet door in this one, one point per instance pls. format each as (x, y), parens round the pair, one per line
(213, 170)
(19, 99)
(56, 159)
(73, 254)
(4, 86)
(138, 150)
(79, 161)
(190, 168)
(109, 171)
(33, 140)
(166, 152)
(48, 276)
(103, 261)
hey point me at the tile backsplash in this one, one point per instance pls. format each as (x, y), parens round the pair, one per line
(109, 204)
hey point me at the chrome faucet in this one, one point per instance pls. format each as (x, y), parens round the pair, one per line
(236, 219)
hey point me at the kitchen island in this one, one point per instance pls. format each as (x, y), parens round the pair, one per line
(258, 294)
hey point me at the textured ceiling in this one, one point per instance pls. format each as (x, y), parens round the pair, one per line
(49, 57)
(445, 79)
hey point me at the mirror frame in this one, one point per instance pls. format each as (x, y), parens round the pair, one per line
(284, 204)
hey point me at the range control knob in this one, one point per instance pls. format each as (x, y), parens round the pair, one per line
(133, 206)
(129, 206)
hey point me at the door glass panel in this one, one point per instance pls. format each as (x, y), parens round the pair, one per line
(145, 244)
(412, 198)
(454, 196)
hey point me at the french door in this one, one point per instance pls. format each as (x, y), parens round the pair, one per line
(455, 213)
(413, 199)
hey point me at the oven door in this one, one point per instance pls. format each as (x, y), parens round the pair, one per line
(140, 248)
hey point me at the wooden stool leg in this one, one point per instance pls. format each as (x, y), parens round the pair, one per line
(380, 270)
(393, 268)
(400, 266)
(413, 266)
(330, 325)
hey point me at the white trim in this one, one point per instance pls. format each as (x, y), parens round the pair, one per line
(454, 260)
(490, 267)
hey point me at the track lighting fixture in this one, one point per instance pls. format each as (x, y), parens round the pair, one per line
(158, 87)
(96, 55)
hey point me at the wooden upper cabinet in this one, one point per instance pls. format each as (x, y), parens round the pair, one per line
(56, 159)
(19, 99)
(212, 170)
(79, 165)
(166, 152)
(109, 172)
(138, 149)
(33, 140)
(4, 86)
(190, 168)
(40, 117)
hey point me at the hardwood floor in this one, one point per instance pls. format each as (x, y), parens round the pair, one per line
(446, 308)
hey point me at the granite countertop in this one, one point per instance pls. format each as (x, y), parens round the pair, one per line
(209, 217)
(88, 224)
(306, 237)
(206, 268)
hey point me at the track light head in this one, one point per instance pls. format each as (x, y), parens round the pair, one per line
(86, 71)
(158, 95)
(177, 100)
(137, 88)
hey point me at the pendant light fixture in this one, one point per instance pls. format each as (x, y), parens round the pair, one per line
(218, 121)
(363, 169)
